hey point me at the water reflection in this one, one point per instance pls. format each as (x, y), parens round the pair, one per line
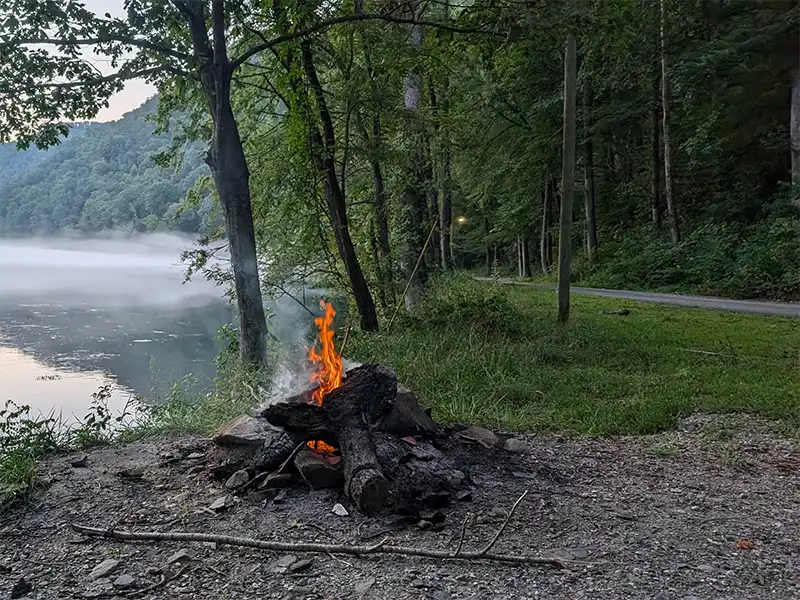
(75, 314)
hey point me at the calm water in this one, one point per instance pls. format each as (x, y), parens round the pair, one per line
(76, 314)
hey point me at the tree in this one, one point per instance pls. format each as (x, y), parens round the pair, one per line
(588, 175)
(669, 191)
(567, 178)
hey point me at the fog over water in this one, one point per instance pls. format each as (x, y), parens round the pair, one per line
(75, 313)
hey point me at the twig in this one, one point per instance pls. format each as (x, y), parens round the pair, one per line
(410, 279)
(344, 342)
(291, 457)
(463, 535)
(503, 526)
(380, 548)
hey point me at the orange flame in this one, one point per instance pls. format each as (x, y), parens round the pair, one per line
(329, 371)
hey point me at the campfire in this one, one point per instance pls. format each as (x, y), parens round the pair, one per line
(356, 429)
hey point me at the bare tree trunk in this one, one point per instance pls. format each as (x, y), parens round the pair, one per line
(228, 165)
(795, 131)
(335, 199)
(655, 181)
(567, 178)
(588, 172)
(413, 196)
(526, 257)
(546, 240)
(672, 210)
(487, 245)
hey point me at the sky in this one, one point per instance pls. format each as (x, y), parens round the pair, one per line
(135, 92)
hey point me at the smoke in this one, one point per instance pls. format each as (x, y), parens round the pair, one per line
(143, 270)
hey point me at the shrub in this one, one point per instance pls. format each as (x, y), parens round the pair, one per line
(459, 300)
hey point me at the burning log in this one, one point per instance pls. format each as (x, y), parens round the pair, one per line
(345, 421)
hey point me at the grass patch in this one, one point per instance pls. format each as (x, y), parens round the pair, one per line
(602, 374)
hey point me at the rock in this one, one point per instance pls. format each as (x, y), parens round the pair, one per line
(124, 581)
(283, 564)
(133, 472)
(275, 481)
(301, 565)
(80, 462)
(498, 512)
(318, 470)
(104, 569)
(340, 510)
(363, 586)
(196, 456)
(182, 556)
(464, 496)
(515, 445)
(237, 480)
(21, 588)
(221, 504)
(434, 516)
(193, 470)
(423, 524)
(244, 430)
(479, 435)
(580, 553)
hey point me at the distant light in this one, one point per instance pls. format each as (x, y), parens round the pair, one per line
(461, 220)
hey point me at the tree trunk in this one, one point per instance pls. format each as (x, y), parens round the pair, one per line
(446, 214)
(672, 210)
(385, 268)
(655, 181)
(228, 165)
(588, 173)
(545, 243)
(526, 257)
(795, 131)
(567, 179)
(487, 245)
(413, 196)
(335, 199)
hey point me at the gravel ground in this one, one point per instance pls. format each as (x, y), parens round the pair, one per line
(711, 510)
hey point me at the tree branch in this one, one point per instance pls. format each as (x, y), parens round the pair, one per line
(99, 40)
(252, 51)
(119, 76)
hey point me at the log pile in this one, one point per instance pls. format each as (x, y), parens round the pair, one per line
(386, 444)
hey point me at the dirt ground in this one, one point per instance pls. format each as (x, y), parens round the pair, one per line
(711, 510)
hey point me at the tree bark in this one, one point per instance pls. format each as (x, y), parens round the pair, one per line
(335, 199)
(655, 180)
(795, 131)
(672, 210)
(413, 196)
(588, 174)
(487, 245)
(228, 165)
(526, 257)
(546, 240)
(567, 178)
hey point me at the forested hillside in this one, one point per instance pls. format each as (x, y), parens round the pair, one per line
(101, 177)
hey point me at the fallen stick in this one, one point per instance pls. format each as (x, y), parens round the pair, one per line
(380, 548)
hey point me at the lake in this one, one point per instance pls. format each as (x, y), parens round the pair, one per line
(77, 314)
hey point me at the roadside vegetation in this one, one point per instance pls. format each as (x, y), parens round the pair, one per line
(493, 355)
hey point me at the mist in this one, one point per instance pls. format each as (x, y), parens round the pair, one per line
(143, 270)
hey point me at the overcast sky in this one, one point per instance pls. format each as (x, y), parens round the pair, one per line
(135, 92)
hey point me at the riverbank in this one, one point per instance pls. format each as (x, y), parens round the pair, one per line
(707, 510)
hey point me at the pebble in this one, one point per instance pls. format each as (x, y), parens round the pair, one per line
(21, 588)
(340, 510)
(104, 569)
(363, 586)
(237, 480)
(124, 581)
(222, 503)
(515, 445)
(181, 556)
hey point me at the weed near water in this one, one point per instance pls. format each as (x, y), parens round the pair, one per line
(604, 373)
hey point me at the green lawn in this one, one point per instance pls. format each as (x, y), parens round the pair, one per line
(602, 374)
